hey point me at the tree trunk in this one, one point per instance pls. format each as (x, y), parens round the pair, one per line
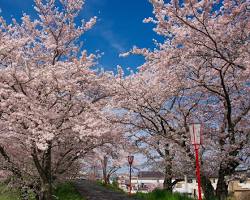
(207, 188)
(36, 189)
(46, 192)
(108, 179)
(167, 184)
(104, 170)
(226, 169)
(44, 170)
(206, 185)
(222, 187)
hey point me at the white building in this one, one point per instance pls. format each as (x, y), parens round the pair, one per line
(147, 181)
(189, 186)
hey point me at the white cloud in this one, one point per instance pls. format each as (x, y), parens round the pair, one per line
(109, 36)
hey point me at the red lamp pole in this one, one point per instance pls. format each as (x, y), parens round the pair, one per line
(195, 131)
(130, 162)
(198, 170)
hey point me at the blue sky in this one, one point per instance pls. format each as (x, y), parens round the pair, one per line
(118, 28)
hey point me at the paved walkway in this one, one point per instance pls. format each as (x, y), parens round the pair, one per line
(92, 191)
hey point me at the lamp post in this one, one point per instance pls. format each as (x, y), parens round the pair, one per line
(195, 132)
(130, 162)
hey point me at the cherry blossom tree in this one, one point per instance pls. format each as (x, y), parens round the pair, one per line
(112, 155)
(156, 113)
(111, 159)
(51, 102)
(207, 45)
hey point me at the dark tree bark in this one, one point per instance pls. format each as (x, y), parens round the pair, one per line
(104, 170)
(225, 170)
(46, 191)
(222, 187)
(168, 175)
(167, 184)
(45, 173)
(207, 187)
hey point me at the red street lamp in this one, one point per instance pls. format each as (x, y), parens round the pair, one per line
(130, 162)
(195, 132)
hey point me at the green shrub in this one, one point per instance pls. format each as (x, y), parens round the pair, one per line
(7, 193)
(115, 183)
(114, 186)
(67, 191)
(162, 195)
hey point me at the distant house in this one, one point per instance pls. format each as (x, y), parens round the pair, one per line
(240, 187)
(146, 181)
(189, 186)
(240, 190)
(149, 180)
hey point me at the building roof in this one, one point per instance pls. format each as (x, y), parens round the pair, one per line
(151, 175)
(245, 171)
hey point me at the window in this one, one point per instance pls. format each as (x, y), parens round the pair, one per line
(242, 180)
(178, 185)
(189, 180)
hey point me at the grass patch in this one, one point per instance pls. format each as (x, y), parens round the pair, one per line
(162, 195)
(67, 191)
(7, 193)
(113, 186)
